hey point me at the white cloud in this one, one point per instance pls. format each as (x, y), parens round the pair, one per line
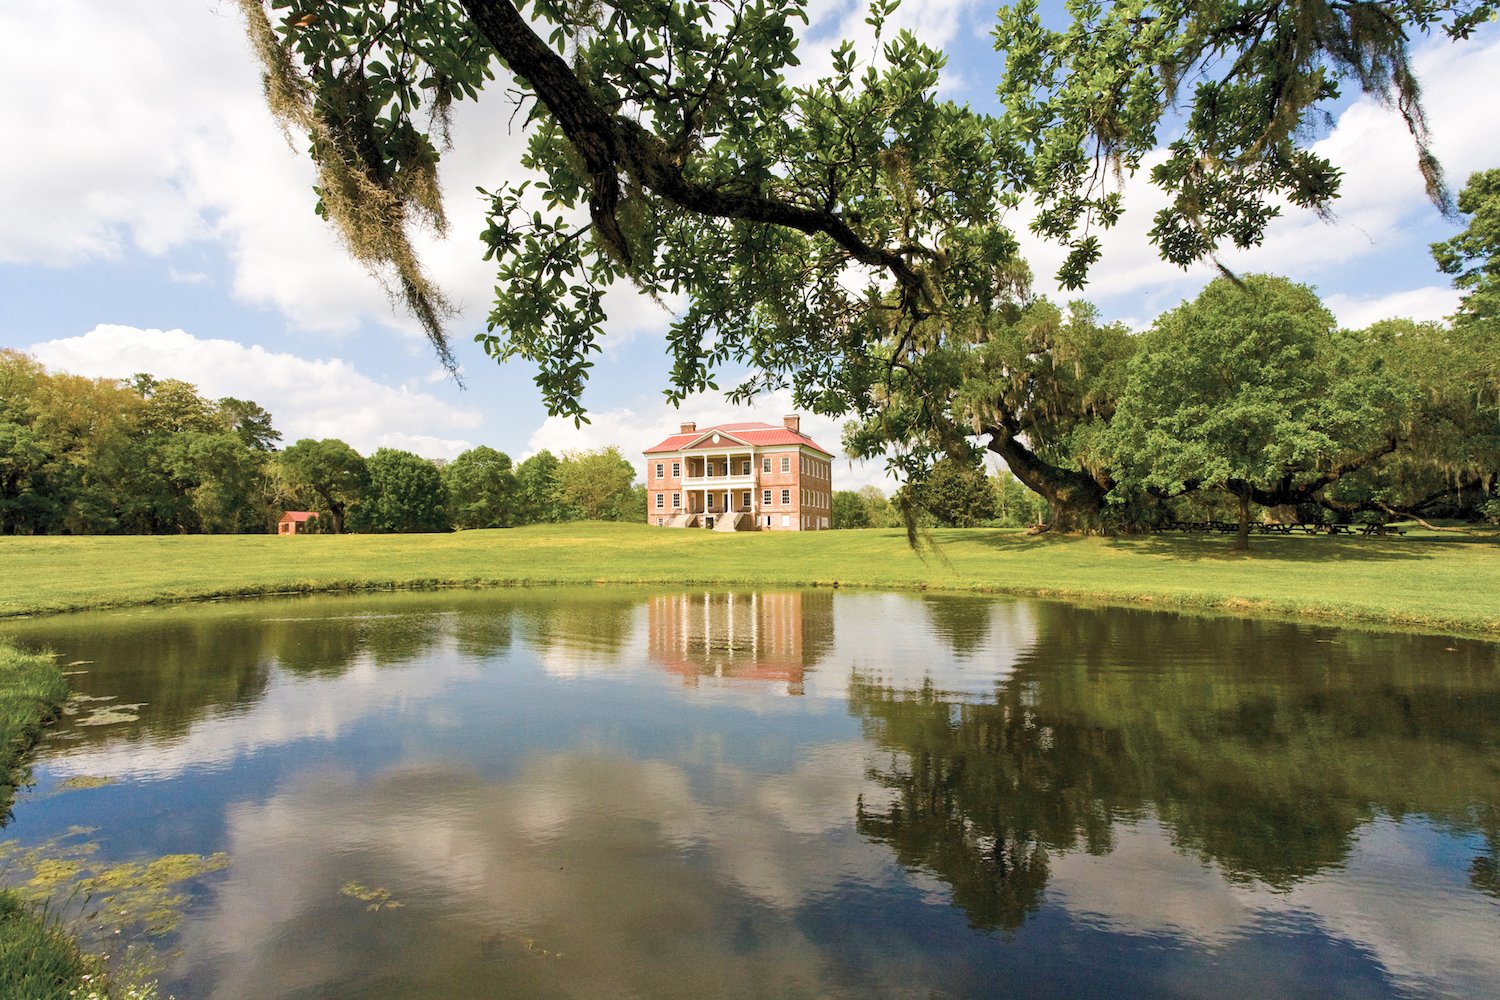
(186, 277)
(309, 398)
(633, 431)
(1358, 311)
(155, 133)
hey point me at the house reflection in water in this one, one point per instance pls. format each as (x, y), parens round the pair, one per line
(763, 638)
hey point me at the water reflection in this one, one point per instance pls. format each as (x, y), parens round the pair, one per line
(765, 638)
(604, 791)
(1264, 757)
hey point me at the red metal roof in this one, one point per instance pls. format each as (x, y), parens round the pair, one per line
(751, 433)
(299, 516)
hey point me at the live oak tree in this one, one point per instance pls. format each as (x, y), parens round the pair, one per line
(482, 489)
(405, 493)
(1254, 390)
(823, 235)
(332, 471)
(1033, 384)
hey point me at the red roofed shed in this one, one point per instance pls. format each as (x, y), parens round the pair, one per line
(295, 521)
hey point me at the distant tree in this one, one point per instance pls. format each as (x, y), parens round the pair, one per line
(1015, 504)
(330, 469)
(23, 505)
(482, 489)
(221, 477)
(88, 427)
(251, 422)
(174, 406)
(540, 490)
(1252, 389)
(593, 481)
(956, 493)
(628, 505)
(849, 510)
(405, 494)
(878, 510)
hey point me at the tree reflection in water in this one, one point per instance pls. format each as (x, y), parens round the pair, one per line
(1261, 747)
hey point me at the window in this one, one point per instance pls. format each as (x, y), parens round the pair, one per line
(745, 469)
(747, 499)
(765, 496)
(660, 521)
(710, 501)
(786, 498)
(786, 463)
(786, 520)
(765, 465)
(676, 500)
(661, 500)
(659, 468)
(676, 469)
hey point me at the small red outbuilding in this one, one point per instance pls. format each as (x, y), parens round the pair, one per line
(295, 521)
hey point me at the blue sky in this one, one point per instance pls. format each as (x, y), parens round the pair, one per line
(152, 218)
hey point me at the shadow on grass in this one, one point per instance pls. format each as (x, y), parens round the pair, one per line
(1219, 548)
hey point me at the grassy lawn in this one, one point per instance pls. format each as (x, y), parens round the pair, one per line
(1439, 581)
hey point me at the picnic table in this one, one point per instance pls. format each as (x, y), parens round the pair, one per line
(1281, 528)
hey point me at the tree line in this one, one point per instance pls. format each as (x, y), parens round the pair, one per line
(146, 455)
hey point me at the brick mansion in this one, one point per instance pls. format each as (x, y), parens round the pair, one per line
(740, 477)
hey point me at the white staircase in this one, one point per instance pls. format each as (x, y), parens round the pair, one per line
(730, 521)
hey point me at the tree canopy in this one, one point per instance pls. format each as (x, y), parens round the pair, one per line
(594, 482)
(482, 490)
(824, 235)
(330, 469)
(405, 493)
(1255, 390)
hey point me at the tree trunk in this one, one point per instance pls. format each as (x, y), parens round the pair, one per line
(1242, 537)
(1075, 497)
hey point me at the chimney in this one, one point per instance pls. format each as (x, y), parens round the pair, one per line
(688, 427)
(793, 423)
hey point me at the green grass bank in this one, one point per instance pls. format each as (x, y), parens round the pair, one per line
(1442, 581)
(37, 958)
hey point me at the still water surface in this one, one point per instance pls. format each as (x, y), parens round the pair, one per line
(611, 793)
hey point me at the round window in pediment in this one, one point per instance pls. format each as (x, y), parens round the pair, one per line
(716, 439)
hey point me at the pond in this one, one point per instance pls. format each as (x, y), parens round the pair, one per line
(613, 793)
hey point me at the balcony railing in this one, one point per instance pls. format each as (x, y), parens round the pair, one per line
(703, 481)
